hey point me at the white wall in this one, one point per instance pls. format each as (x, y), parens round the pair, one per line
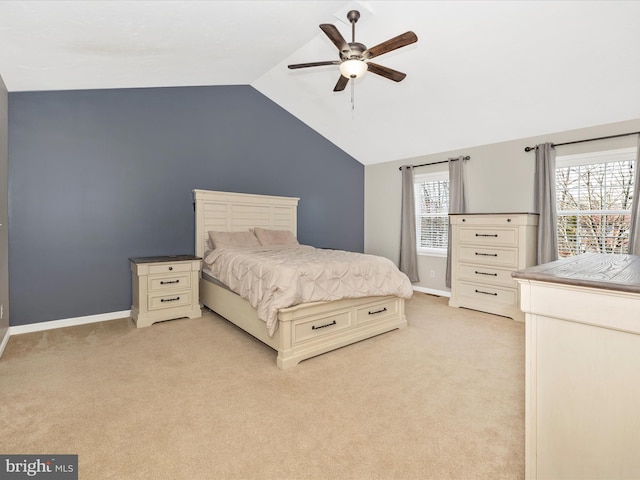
(499, 178)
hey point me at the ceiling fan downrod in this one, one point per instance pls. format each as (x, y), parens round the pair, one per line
(353, 17)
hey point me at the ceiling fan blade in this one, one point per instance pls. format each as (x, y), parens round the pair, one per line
(335, 36)
(342, 83)
(313, 64)
(386, 72)
(394, 43)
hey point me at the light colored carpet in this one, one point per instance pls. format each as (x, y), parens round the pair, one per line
(200, 399)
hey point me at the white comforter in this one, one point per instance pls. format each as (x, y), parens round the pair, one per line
(272, 278)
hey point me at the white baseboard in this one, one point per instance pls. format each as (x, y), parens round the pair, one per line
(67, 322)
(4, 342)
(431, 291)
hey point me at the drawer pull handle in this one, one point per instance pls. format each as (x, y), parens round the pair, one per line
(378, 311)
(169, 282)
(487, 235)
(487, 254)
(313, 327)
(487, 293)
(169, 299)
(170, 268)
(486, 273)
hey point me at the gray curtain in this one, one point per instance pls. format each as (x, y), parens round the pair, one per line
(634, 233)
(545, 203)
(408, 247)
(457, 202)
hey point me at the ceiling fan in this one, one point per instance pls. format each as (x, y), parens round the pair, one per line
(354, 56)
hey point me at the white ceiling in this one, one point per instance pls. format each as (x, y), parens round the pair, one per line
(481, 72)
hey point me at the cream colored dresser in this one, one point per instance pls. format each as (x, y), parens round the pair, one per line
(582, 364)
(164, 288)
(485, 250)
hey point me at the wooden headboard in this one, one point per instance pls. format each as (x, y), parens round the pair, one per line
(235, 212)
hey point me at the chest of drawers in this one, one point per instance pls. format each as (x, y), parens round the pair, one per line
(164, 288)
(485, 250)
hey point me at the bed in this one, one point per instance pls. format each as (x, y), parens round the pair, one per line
(304, 330)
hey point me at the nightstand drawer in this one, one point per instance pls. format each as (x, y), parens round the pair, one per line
(178, 299)
(169, 282)
(169, 268)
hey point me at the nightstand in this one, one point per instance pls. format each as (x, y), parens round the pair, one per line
(164, 288)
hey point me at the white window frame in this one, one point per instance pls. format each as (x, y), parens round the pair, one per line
(607, 156)
(420, 178)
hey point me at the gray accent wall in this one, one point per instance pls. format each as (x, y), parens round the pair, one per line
(98, 176)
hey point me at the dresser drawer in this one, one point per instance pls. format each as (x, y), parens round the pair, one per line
(486, 248)
(307, 329)
(375, 311)
(507, 237)
(487, 294)
(169, 268)
(169, 300)
(169, 282)
(495, 220)
(499, 257)
(486, 274)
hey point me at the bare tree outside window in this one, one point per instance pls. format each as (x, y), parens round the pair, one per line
(594, 207)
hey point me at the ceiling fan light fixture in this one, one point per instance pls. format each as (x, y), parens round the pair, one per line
(354, 56)
(353, 68)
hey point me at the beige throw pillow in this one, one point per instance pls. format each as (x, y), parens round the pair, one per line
(275, 237)
(233, 239)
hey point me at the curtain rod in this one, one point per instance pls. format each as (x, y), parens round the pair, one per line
(528, 149)
(436, 163)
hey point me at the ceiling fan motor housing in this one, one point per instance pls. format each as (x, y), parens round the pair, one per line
(354, 52)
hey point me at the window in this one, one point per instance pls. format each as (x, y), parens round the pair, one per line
(432, 212)
(593, 201)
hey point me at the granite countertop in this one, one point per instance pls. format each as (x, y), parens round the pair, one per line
(596, 270)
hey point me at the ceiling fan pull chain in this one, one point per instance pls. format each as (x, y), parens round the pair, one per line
(353, 103)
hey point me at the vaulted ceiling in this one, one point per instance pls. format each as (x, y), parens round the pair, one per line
(481, 71)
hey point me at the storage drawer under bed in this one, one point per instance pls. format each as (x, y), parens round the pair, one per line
(315, 327)
(319, 326)
(376, 311)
